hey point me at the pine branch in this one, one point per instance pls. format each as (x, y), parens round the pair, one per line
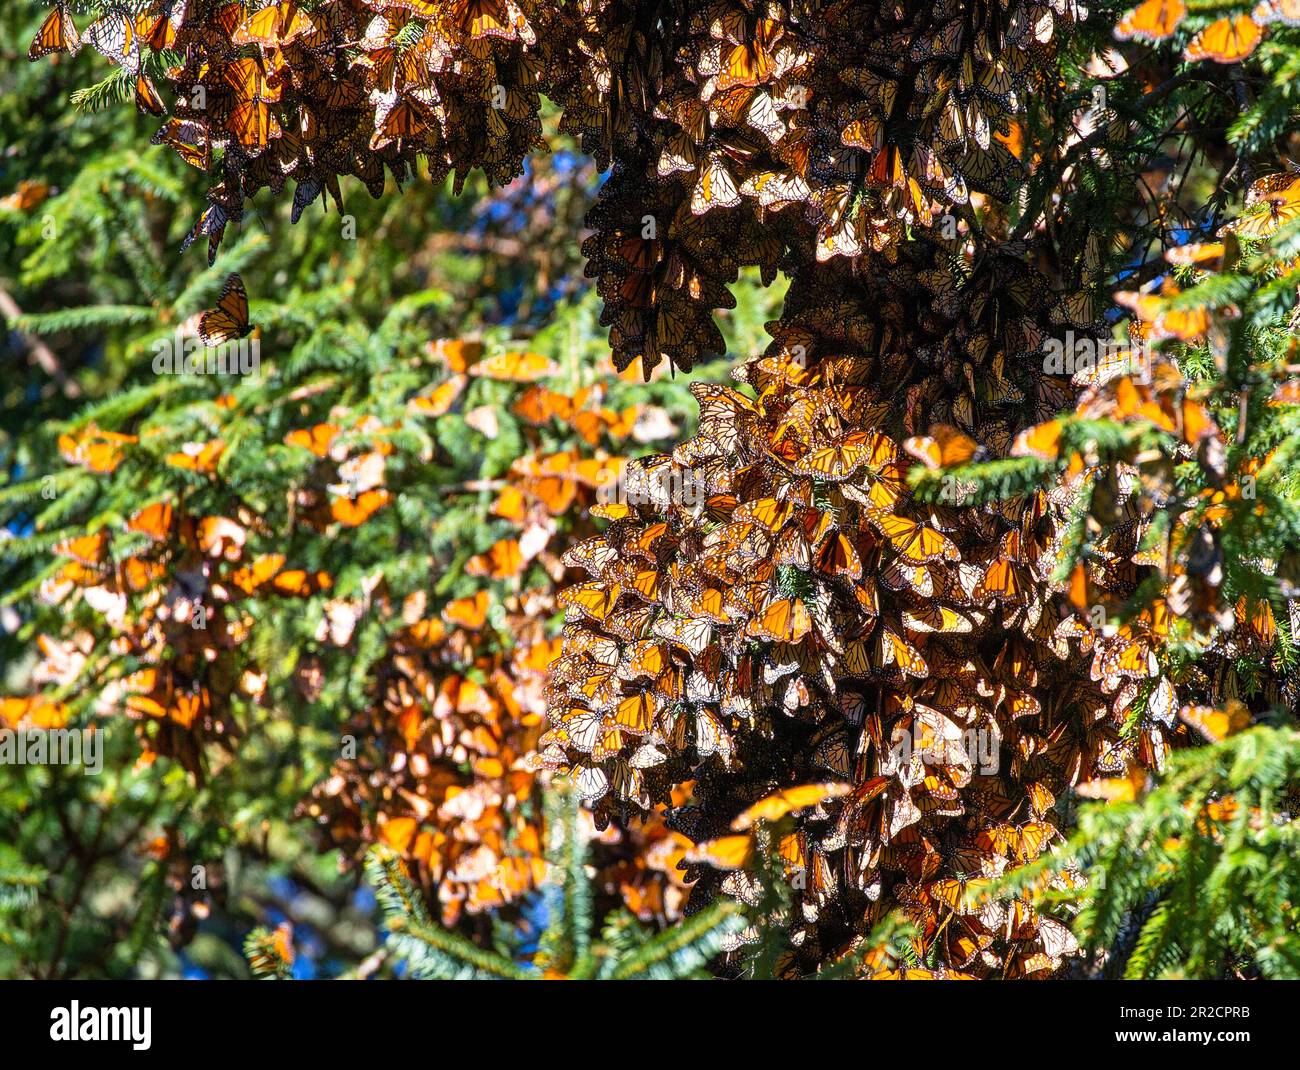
(429, 950)
(685, 948)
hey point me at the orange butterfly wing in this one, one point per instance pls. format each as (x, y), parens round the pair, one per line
(1152, 20)
(1228, 40)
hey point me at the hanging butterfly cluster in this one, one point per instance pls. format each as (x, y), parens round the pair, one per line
(157, 586)
(445, 767)
(1158, 509)
(773, 605)
(441, 771)
(738, 130)
(769, 600)
(809, 616)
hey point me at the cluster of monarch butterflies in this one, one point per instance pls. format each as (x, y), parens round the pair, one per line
(742, 132)
(771, 608)
(161, 611)
(799, 615)
(446, 770)
(802, 615)
(1143, 517)
(170, 587)
(159, 587)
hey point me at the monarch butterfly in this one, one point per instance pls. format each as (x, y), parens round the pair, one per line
(249, 578)
(58, 33)
(1283, 205)
(25, 197)
(113, 36)
(594, 555)
(1257, 615)
(212, 223)
(503, 560)
(636, 713)
(750, 63)
(785, 620)
(715, 188)
(426, 633)
(153, 520)
(1283, 11)
(404, 119)
(776, 189)
(837, 556)
(301, 582)
(1024, 842)
(945, 447)
(353, 512)
(839, 461)
(725, 852)
(648, 659)
(897, 575)
(317, 439)
(1152, 20)
(1128, 653)
(555, 493)
(694, 634)
(190, 141)
(162, 35)
(253, 123)
(1003, 579)
(198, 456)
(842, 224)
(274, 26)
(1206, 255)
(492, 18)
(1216, 724)
(578, 727)
(786, 801)
(171, 703)
(219, 536)
(229, 320)
(146, 96)
(456, 353)
(1042, 441)
(935, 618)
(88, 549)
(515, 367)
(915, 543)
(99, 451)
(469, 613)
(593, 600)
(892, 649)
(1227, 40)
(539, 404)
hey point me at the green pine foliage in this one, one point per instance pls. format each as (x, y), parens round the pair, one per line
(1196, 878)
(573, 943)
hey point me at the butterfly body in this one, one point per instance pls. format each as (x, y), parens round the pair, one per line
(228, 321)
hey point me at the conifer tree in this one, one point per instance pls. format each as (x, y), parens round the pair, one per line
(955, 548)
